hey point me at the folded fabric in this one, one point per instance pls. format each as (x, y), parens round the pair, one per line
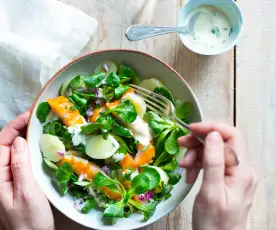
(37, 38)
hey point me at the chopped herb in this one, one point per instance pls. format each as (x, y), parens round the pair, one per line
(230, 31)
(216, 31)
(225, 29)
(73, 108)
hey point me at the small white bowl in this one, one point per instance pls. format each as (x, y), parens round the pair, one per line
(232, 11)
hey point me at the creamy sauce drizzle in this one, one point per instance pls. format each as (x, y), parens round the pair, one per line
(212, 28)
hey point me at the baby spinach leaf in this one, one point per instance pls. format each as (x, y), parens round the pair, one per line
(182, 109)
(170, 166)
(61, 186)
(54, 128)
(140, 184)
(77, 83)
(88, 205)
(95, 81)
(165, 192)
(101, 180)
(123, 143)
(113, 80)
(91, 128)
(126, 72)
(121, 131)
(125, 111)
(64, 172)
(77, 191)
(160, 142)
(42, 111)
(164, 92)
(120, 90)
(115, 210)
(87, 96)
(171, 144)
(146, 209)
(156, 123)
(153, 175)
(79, 100)
(174, 178)
(50, 164)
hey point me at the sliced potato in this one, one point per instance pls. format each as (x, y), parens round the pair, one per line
(163, 174)
(50, 146)
(151, 84)
(106, 67)
(99, 148)
(138, 103)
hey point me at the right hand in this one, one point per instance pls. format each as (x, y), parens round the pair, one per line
(226, 193)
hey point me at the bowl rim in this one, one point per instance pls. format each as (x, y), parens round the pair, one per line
(227, 48)
(95, 53)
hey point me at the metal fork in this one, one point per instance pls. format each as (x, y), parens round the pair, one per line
(164, 107)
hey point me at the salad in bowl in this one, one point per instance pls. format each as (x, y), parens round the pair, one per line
(105, 148)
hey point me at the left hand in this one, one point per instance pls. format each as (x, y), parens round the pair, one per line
(22, 203)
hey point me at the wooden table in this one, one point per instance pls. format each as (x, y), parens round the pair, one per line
(236, 87)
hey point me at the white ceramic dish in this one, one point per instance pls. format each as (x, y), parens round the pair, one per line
(146, 66)
(229, 7)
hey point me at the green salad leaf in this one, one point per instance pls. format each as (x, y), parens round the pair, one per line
(140, 184)
(80, 101)
(113, 80)
(158, 124)
(91, 128)
(77, 83)
(115, 210)
(64, 172)
(121, 131)
(88, 205)
(95, 80)
(171, 144)
(42, 111)
(160, 142)
(54, 128)
(61, 186)
(174, 178)
(120, 90)
(182, 109)
(82, 183)
(164, 92)
(171, 165)
(126, 73)
(125, 111)
(146, 209)
(153, 175)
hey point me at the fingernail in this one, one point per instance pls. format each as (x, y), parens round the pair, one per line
(18, 144)
(214, 139)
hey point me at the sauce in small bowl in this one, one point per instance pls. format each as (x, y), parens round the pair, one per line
(216, 29)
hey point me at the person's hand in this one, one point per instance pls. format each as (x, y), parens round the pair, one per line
(22, 203)
(226, 193)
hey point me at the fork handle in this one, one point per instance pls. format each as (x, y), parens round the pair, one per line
(230, 156)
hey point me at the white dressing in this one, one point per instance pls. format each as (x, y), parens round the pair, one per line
(141, 131)
(77, 136)
(212, 28)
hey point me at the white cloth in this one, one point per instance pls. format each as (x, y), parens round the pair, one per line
(37, 37)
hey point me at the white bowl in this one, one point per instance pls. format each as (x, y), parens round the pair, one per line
(146, 66)
(229, 7)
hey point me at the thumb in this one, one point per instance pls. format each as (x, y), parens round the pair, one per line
(20, 165)
(213, 161)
